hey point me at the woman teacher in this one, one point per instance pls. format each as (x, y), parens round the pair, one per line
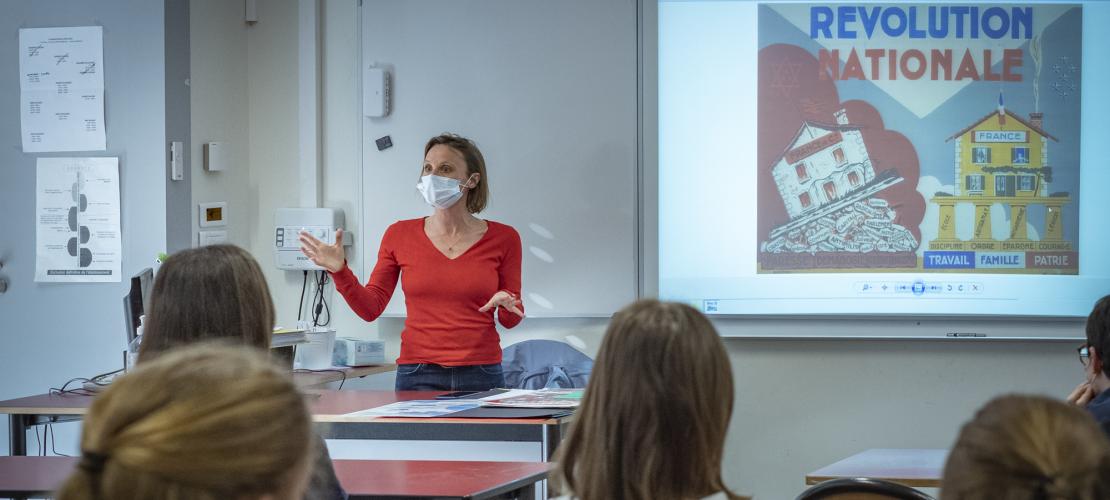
(458, 271)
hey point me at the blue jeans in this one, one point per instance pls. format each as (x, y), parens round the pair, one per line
(433, 377)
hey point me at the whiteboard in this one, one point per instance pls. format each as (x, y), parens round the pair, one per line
(548, 91)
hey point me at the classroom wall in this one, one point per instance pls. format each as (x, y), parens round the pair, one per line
(53, 332)
(342, 154)
(800, 404)
(803, 404)
(178, 125)
(219, 93)
(272, 111)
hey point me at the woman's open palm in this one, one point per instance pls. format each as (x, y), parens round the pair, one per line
(330, 257)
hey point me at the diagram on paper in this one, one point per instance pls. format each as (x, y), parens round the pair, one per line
(77, 225)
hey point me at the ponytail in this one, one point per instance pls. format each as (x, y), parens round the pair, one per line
(198, 423)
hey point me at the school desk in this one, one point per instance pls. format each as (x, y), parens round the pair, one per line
(512, 439)
(917, 468)
(24, 413)
(21, 477)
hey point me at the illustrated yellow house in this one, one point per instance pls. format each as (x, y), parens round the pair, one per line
(1002, 158)
(1002, 155)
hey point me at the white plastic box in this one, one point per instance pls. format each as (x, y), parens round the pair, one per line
(350, 351)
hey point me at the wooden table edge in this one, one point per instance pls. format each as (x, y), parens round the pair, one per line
(57, 411)
(331, 419)
(516, 485)
(343, 419)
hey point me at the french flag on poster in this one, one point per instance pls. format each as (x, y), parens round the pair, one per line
(1001, 110)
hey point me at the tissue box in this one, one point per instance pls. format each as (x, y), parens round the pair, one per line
(350, 351)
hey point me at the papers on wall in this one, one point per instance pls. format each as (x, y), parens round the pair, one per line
(77, 220)
(418, 408)
(62, 89)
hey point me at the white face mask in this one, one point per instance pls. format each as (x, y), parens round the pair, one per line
(440, 192)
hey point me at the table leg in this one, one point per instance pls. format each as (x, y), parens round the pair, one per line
(17, 434)
(528, 491)
(553, 435)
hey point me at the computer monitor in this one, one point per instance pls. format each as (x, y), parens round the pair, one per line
(137, 301)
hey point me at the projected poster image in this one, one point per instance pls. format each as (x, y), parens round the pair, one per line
(918, 138)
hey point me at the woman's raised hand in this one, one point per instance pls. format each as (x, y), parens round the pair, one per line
(330, 257)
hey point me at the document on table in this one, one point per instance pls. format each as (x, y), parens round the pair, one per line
(418, 408)
(61, 83)
(77, 220)
(542, 398)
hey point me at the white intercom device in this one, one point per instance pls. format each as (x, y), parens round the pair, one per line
(376, 92)
(288, 224)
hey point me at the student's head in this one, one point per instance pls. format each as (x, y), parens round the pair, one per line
(199, 423)
(1098, 337)
(450, 155)
(1028, 447)
(208, 293)
(653, 419)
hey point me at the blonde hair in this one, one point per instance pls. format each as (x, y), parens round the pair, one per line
(653, 419)
(1028, 447)
(197, 423)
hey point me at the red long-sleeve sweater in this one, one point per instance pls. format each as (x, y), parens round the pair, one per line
(442, 296)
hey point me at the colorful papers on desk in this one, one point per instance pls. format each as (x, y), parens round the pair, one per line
(418, 409)
(501, 412)
(486, 407)
(543, 398)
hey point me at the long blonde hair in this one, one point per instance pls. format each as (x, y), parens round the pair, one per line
(197, 423)
(1028, 447)
(653, 419)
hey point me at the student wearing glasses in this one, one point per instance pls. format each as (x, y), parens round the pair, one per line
(1093, 393)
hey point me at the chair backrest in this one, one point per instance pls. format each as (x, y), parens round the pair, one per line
(861, 488)
(538, 364)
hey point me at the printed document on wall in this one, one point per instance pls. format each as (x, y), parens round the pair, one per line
(62, 89)
(77, 226)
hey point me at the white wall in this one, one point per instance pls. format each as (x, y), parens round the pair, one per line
(218, 91)
(800, 404)
(803, 404)
(272, 151)
(342, 155)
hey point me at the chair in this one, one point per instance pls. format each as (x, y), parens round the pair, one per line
(539, 364)
(861, 488)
